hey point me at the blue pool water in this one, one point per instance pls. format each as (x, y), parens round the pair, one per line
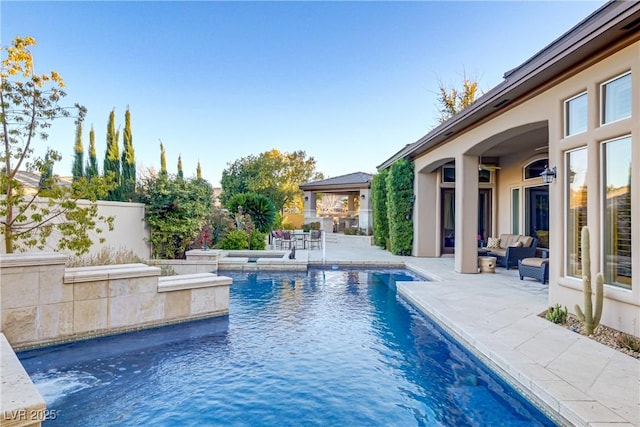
(326, 347)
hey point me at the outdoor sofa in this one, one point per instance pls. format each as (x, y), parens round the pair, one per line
(510, 248)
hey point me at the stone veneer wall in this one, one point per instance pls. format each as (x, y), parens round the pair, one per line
(41, 303)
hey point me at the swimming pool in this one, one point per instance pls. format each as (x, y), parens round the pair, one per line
(325, 347)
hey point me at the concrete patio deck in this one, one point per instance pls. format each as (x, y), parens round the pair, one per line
(581, 381)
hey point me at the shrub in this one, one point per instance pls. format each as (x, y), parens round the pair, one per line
(235, 240)
(258, 241)
(258, 207)
(176, 210)
(557, 314)
(379, 206)
(400, 207)
(629, 342)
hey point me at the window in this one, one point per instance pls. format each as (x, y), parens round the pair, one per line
(615, 97)
(576, 205)
(575, 115)
(616, 233)
(449, 175)
(535, 168)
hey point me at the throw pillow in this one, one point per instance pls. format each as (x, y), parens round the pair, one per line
(519, 245)
(493, 243)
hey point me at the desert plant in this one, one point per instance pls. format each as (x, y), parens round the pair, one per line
(629, 342)
(591, 316)
(235, 240)
(257, 206)
(557, 314)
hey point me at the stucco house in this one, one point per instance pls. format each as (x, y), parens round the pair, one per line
(572, 110)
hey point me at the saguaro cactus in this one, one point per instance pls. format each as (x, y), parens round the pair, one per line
(590, 318)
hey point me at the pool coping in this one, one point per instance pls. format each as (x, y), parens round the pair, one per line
(508, 347)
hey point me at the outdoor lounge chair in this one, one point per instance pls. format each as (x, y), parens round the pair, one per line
(512, 248)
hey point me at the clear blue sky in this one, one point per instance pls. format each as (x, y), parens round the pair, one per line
(350, 83)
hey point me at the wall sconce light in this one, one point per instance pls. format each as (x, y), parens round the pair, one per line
(548, 175)
(306, 198)
(363, 196)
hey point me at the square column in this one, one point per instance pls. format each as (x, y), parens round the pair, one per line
(426, 215)
(466, 243)
(366, 213)
(310, 210)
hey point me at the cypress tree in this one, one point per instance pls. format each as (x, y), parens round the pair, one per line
(199, 171)
(111, 168)
(180, 173)
(78, 160)
(46, 174)
(92, 166)
(128, 160)
(163, 160)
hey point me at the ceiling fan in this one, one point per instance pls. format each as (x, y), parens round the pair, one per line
(483, 167)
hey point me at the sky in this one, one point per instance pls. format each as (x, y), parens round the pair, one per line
(349, 83)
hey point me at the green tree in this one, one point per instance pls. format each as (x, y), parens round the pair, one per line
(128, 161)
(111, 169)
(379, 202)
(46, 173)
(176, 211)
(78, 149)
(180, 173)
(452, 100)
(29, 103)
(198, 171)
(92, 166)
(273, 174)
(400, 207)
(163, 160)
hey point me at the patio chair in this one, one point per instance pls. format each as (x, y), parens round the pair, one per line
(287, 240)
(315, 238)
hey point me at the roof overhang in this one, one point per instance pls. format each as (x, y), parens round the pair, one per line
(612, 23)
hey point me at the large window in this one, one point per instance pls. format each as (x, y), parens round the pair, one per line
(576, 205)
(615, 97)
(616, 233)
(575, 115)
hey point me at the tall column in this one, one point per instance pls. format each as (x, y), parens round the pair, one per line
(366, 216)
(310, 205)
(466, 243)
(426, 215)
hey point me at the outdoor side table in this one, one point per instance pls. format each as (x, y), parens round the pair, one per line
(487, 264)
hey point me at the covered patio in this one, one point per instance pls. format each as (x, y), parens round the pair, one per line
(344, 204)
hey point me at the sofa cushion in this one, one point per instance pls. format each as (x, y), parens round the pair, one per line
(535, 262)
(498, 252)
(507, 240)
(527, 241)
(493, 243)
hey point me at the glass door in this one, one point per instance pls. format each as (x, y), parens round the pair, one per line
(537, 214)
